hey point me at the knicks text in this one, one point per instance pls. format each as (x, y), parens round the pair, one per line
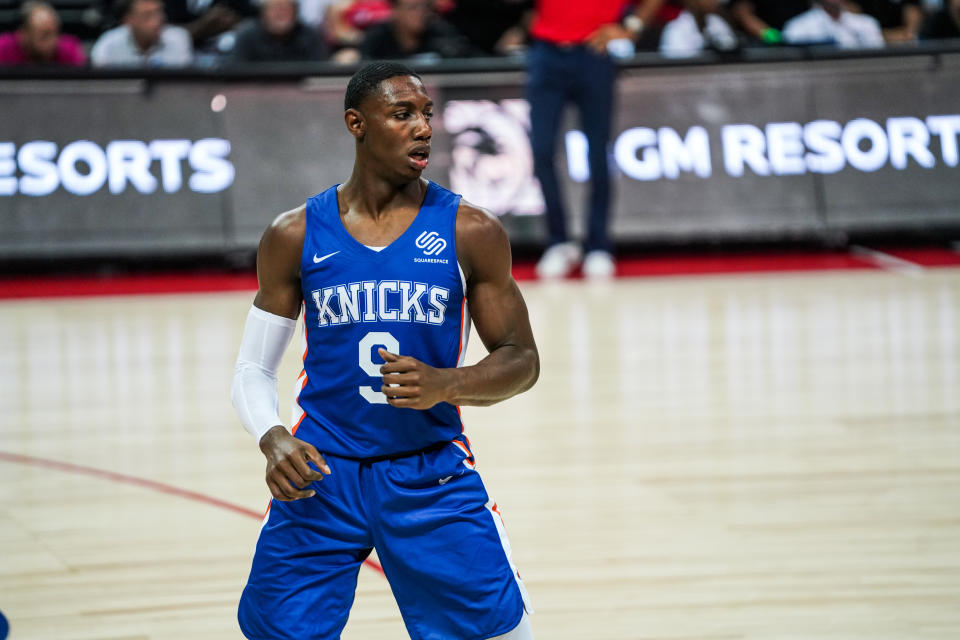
(380, 301)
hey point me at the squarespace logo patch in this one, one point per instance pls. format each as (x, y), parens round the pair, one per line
(82, 167)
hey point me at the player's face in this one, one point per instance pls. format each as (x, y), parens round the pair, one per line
(398, 130)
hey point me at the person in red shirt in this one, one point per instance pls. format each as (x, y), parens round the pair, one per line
(39, 41)
(570, 59)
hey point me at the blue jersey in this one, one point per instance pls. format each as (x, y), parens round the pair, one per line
(408, 298)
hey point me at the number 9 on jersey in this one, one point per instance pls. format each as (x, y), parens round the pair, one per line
(366, 348)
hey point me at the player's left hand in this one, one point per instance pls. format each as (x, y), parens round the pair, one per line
(411, 384)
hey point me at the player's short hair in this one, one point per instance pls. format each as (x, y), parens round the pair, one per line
(366, 81)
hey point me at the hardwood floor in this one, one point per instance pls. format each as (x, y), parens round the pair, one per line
(762, 457)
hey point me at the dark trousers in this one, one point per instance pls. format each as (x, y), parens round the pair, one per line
(557, 75)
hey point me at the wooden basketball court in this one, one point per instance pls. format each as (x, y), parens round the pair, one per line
(763, 457)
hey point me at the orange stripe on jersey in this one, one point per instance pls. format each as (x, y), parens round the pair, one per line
(303, 372)
(462, 448)
(496, 510)
(306, 343)
(303, 414)
(469, 460)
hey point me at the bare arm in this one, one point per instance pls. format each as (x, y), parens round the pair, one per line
(745, 15)
(644, 12)
(500, 316)
(278, 265)
(341, 32)
(278, 275)
(912, 20)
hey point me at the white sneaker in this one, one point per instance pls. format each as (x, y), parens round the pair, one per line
(599, 265)
(559, 260)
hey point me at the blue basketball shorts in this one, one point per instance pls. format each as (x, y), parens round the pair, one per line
(439, 538)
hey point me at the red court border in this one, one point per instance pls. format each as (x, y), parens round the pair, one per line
(645, 266)
(153, 485)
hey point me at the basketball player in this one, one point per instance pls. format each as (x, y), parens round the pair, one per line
(389, 269)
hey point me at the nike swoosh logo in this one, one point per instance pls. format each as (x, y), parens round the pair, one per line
(316, 259)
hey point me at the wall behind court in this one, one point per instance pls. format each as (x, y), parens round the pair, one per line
(121, 167)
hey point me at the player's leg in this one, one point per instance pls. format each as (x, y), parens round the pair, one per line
(304, 572)
(443, 547)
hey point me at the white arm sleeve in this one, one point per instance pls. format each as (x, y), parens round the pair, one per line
(254, 391)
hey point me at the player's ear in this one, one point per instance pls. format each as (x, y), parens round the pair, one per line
(355, 123)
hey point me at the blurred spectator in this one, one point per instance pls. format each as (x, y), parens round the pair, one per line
(144, 39)
(206, 19)
(900, 20)
(493, 27)
(414, 30)
(569, 61)
(313, 13)
(698, 28)
(763, 20)
(649, 18)
(39, 41)
(348, 20)
(944, 23)
(830, 23)
(277, 36)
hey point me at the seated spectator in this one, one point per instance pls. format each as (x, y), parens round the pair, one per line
(348, 20)
(493, 27)
(900, 20)
(698, 28)
(944, 23)
(414, 31)
(830, 23)
(646, 20)
(207, 19)
(313, 12)
(143, 40)
(763, 20)
(277, 36)
(38, 40)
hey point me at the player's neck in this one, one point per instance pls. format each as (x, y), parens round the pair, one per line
(375, 196)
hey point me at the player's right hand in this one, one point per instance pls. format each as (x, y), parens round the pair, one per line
(288, 471)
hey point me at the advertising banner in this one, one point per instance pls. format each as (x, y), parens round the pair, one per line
(105, 167)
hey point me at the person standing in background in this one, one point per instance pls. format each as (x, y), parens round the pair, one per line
(39, 41)
(569, 60)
